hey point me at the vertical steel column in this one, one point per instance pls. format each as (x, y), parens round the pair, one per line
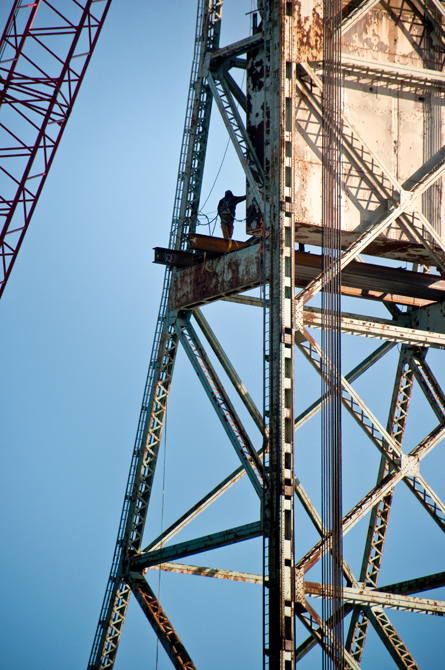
(279, 498)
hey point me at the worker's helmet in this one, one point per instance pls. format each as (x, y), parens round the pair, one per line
(228, 194)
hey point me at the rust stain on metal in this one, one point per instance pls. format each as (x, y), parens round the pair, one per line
(201, 571)
(238, 271)
(255, 129)
(308, 19)
(214, 279)
(396, 249)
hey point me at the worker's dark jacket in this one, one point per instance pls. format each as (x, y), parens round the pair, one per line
(226, 207)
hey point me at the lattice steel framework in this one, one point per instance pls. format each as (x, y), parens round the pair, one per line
(399, 218)
(45, 50)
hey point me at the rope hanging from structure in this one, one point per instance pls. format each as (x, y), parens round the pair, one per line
(331, 438)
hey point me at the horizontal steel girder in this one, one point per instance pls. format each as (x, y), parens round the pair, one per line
(196, 546)
(416, 585)
(237, 48)
(382, 329)
(364, 597)
(353, 595)
(375, 281)
(395, 72)
(216, 573)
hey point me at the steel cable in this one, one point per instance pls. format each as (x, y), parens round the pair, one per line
(331, 438)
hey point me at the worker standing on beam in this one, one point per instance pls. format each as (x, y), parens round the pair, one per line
(226, 211)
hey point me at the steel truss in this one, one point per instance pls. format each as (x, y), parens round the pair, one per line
(45, 50)
(292, 107)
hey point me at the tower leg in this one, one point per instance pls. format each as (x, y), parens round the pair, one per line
(278, 508)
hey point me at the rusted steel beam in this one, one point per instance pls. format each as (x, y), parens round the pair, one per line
(245, 300)
(196, 546)
(201, 571)
(391, 639)
(321, 631)
(210, 281)
(416, 585)
(399, 250)
(395, 72)
(363, 596)
(374, 278)
(377, 280)
(242, 270)
(161, 623)
(388, 299)
(237, 48)
(175, 258)
(379, 518)
(217, 244)
(383, 329)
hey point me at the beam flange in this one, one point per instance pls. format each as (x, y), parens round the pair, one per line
(196, 546)
(363, 597)
(381, 329)
(160, 622)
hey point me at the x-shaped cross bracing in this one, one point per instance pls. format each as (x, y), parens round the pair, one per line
(400, 467)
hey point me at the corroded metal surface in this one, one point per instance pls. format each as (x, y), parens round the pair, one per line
(255, 127)
(210, 280)
(238, 271)
(396, 249)
(215, 244)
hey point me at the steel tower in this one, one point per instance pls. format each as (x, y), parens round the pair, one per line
(391, 174)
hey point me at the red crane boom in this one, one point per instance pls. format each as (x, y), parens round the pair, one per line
(44, 53)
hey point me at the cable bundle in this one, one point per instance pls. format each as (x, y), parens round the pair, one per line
(331, 462)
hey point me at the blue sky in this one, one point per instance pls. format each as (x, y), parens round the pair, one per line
(76, 326)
